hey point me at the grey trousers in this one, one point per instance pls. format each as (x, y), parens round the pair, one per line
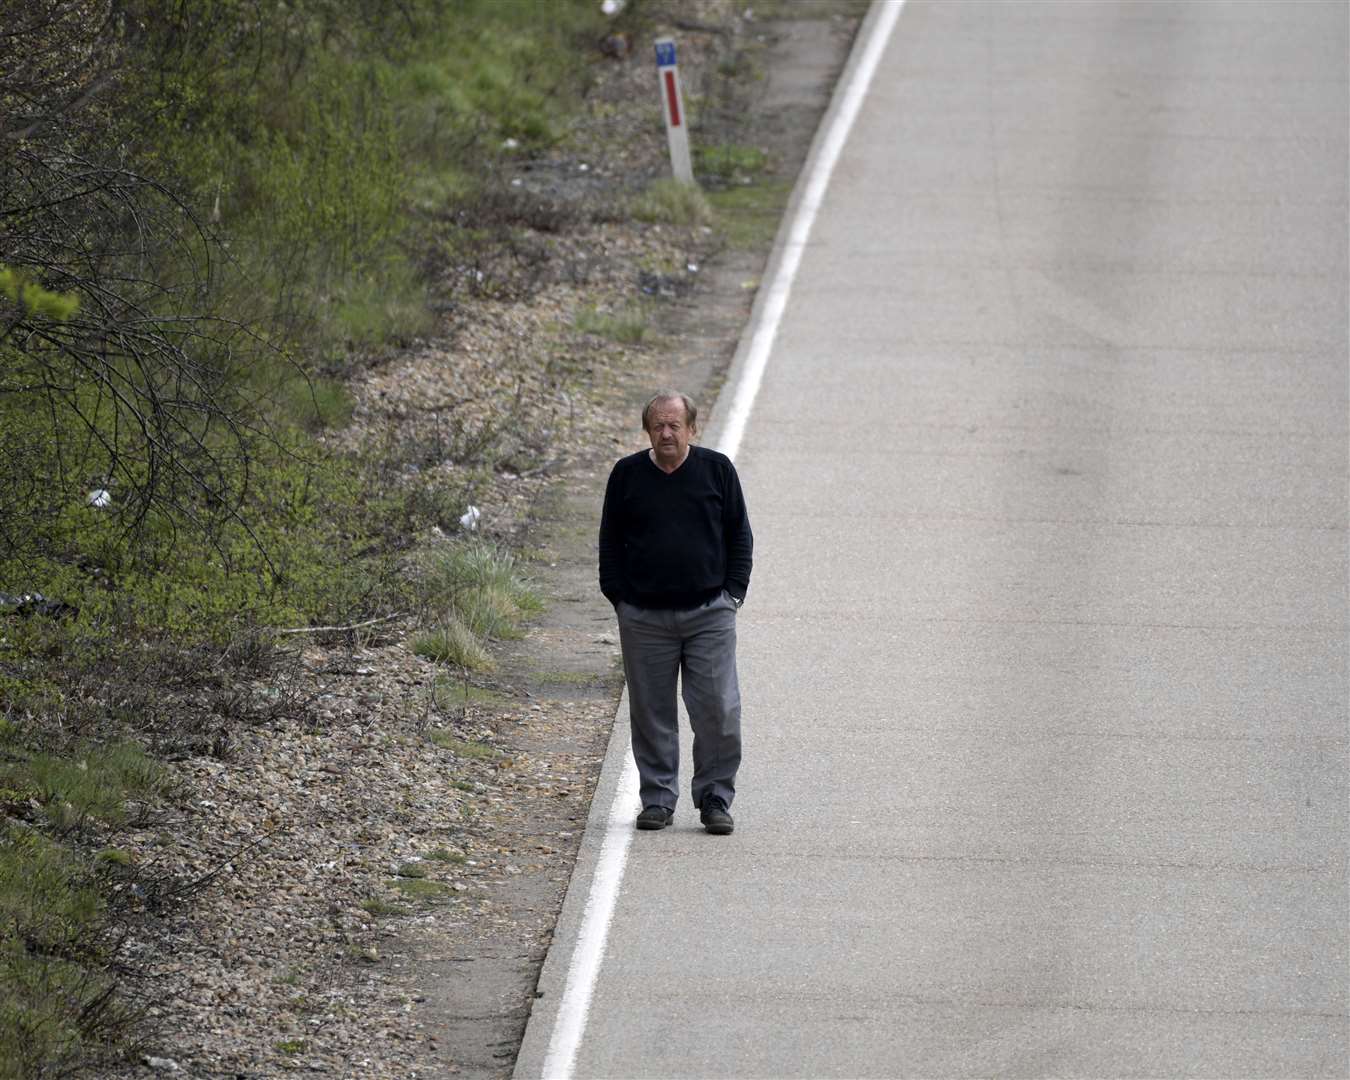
(699, 646)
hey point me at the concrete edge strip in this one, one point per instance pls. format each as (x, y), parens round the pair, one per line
(569, 1025)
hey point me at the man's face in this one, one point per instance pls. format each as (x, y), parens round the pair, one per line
(668, 431)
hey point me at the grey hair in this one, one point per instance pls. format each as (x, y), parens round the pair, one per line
(690, 409)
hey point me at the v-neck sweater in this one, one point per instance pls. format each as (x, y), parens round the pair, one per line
(674, 540)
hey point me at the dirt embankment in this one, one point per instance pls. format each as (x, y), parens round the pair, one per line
(397, 868)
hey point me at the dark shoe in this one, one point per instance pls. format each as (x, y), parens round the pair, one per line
(655, 817)
(713, 813)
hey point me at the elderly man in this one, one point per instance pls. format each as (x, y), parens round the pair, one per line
(675, 555)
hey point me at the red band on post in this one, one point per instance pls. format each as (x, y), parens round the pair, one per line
(672, 101)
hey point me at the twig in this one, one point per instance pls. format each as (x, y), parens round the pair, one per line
(349, 626)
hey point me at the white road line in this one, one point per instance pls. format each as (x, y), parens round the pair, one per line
(573, 1011)
(757, 358)
(570, 1023)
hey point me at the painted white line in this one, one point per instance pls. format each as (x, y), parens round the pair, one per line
(590, 950)
(757, 358)
(574, 1009)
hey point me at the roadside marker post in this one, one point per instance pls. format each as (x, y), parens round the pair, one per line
(672, 104)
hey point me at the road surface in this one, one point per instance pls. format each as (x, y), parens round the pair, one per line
(1044, 658)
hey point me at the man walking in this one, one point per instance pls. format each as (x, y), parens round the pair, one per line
(675, 557)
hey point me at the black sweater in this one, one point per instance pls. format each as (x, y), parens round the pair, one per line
(674, 540)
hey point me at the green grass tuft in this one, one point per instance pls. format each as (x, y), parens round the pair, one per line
(314, 404)
(628, 327)
(382, 908)
(92, 784)
(463, 747)
(112, 856)
(55, 1003)
(454, 643)
(568, 678)
(749, 215)
(421, 889)
(729, 163)
(449, 693)
(450, 573)
(388, 306)
(474, 593)
(670, 202)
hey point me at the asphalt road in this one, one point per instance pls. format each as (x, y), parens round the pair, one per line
(1045, 656)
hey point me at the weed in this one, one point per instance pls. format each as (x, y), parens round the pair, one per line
(382, 908)
(309, 131)
(112, 856)
(384, 306)
(317, 404)
(568, 678)
(670, 202)
(729, 163)
(463, 747)
(482, 595)
(449, 694)
(367, 954)
(291, 1046)
(491, 613)
(412, 870)
(749, 215)
(452, 572)
(92, 784)
(454, 643)
(420, 889)
(445, 855)
(628, 327)
(57, 1002)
